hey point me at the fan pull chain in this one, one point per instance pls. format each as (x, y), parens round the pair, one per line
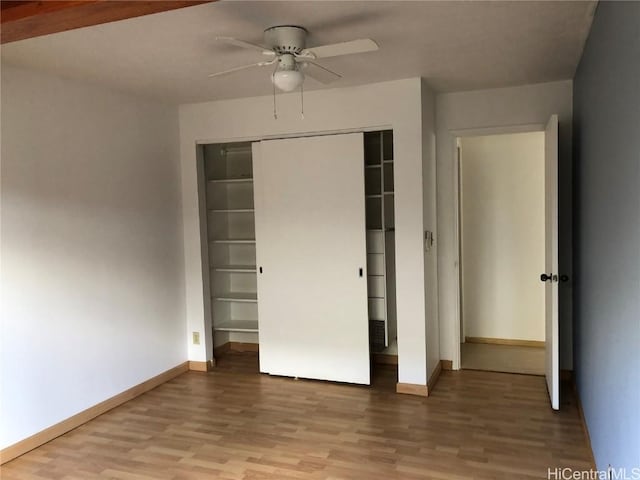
(302, 100)
(273, 78)
(275, 113)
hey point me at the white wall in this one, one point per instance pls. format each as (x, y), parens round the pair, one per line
(530, 104)
(92, 299)
(394, 104)
(502, 236)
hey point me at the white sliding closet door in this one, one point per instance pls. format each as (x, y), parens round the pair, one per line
(311, 257)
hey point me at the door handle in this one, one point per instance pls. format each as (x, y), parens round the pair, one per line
(551, 277)
(360, 272)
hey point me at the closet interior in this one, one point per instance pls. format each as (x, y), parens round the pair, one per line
(379, 192)
(231, 242)
(230, 232)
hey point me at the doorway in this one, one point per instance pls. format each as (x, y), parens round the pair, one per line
(501, 186)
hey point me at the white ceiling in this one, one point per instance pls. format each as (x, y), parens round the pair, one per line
(454, 45)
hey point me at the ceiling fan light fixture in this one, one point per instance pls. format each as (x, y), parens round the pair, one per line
(288, 80)
(286, 45)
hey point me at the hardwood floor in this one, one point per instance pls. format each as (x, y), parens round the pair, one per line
(234, 423)
(503, 358)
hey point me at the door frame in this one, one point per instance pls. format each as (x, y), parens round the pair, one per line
(278, 136)
(456, 135)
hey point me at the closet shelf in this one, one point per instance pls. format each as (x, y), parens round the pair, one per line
(234, 240)
(371, 274)
(235, 268)
(378, 165)
(388, 161)
(249, 326)
(237, 148)
(231, 210)
(232, 180)
(240, 297)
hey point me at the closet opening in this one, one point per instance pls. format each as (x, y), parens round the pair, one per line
(380, 224)
(231, 244)
(247, 192)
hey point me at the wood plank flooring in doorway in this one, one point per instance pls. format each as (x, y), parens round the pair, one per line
(502, 358)
(234, 423)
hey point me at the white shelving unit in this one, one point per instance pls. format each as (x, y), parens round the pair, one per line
(242, 241)
(235, 268)
(232, 180)
(379, 193)
(247, 326)
(240, 297)
(232, 210)
(231, 236)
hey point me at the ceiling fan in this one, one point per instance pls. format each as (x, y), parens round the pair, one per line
(286, 48)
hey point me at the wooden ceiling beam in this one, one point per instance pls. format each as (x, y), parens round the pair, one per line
(26, 19)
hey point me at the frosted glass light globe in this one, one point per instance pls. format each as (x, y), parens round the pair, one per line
(288, 80)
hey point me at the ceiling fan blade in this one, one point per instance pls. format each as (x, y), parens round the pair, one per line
(243, 67)
(246, 45)
(345, 48)
(319, 73)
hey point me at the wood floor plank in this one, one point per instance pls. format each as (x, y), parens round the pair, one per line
(236, 424)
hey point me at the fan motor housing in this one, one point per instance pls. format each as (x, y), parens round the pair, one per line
(286, 39)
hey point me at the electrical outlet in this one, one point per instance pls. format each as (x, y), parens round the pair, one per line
(196, 338)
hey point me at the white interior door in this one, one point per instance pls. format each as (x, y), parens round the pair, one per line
(550, 275)
(311, 257)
